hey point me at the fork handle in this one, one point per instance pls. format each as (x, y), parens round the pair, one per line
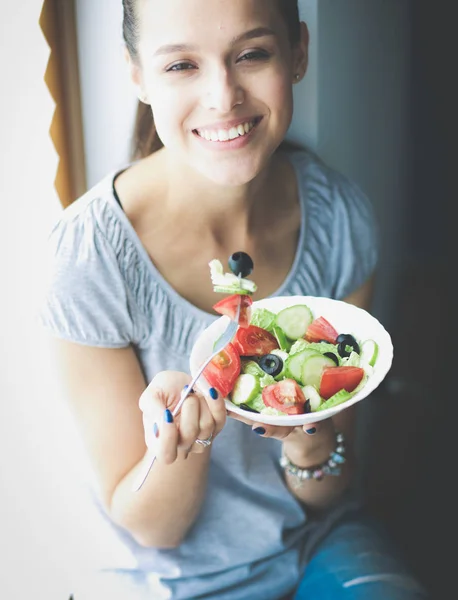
(144, 472)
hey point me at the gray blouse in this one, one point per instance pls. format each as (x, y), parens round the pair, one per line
(252, 537)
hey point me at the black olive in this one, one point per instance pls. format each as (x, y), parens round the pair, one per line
(343, 337)
(307, 407)
(248, 408)
(241, 264)
(332, 356)
(271, 364)
(347, 340)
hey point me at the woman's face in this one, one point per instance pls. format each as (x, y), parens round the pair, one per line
(218, 76)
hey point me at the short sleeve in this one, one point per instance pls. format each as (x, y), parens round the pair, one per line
(86, 299)
(355, 237)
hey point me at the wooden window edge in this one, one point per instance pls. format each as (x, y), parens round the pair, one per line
(58, 24)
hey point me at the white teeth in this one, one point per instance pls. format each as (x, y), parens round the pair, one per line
(233, 133)
(223, 135)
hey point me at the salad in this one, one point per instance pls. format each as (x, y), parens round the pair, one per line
(287, 363)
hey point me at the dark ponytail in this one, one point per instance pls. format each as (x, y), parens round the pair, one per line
(145, 140)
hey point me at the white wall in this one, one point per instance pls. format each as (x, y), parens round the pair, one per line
(108, 99)
(34, 490)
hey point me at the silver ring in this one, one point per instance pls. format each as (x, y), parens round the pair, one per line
(205, 443)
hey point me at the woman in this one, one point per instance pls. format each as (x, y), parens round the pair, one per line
(131, 292)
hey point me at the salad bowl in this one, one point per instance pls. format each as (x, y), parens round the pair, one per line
(345, 318)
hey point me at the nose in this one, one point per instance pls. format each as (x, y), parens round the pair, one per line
(223, 91)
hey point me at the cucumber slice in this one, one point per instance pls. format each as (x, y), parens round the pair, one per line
(294, 364)
(338, 398)
(284, 343)
(245, 389)
(313, 396)
(256, 404)
(294, 320)
(252, 368)
(369, 352)
(284, 356)
(312, 369)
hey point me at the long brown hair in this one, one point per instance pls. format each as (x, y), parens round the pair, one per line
(145, 140)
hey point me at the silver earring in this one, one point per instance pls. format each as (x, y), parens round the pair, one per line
(297, 77)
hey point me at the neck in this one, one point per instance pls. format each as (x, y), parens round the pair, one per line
(197, 199)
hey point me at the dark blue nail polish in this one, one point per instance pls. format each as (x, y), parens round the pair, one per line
(168, 416)
(155, 430)
(185, 389)
(213, 393)
(311, 431)
(259, 430)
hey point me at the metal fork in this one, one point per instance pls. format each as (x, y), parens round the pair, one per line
(220, 344)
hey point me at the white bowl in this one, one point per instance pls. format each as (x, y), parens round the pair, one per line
(345, 318)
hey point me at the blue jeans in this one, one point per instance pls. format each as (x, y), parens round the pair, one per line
(356, 561)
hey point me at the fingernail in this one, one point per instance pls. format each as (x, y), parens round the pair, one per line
(185, 389)
(259, 430)
(311, 431)
(168, 416)
(213, 393)
(155, 430)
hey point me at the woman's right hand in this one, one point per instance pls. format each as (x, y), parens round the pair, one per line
(199, 418)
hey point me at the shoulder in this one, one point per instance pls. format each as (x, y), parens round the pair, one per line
(316, 176)
(88, 216)
(340, 229)
(88, 264)
(329, 195)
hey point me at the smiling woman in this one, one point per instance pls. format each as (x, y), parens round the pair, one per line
(129, 292)
(146, 139)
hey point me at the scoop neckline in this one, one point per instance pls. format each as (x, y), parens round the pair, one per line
(179, 300)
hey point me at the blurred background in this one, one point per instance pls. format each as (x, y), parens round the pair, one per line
(377, 105)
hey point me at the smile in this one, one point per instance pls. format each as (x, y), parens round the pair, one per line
(227, 135)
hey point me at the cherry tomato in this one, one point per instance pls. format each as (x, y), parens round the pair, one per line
(254, 341)
(321, 329)
(286, 395)
(335, 379)
(223, 370)
(228, 306)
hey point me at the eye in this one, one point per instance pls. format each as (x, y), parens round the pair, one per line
(255, 55)
(182, 66)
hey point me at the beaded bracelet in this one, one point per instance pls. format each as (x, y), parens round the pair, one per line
(331, 467)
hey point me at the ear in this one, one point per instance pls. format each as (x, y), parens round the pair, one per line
(135, 74)
(301, 54)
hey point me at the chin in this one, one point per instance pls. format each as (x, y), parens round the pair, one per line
(232, 173)
(229, 177)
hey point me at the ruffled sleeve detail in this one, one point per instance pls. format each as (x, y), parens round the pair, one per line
(103, 289)
(339, 242)
(86, 300)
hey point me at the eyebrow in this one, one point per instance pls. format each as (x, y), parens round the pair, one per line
(248, 35)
